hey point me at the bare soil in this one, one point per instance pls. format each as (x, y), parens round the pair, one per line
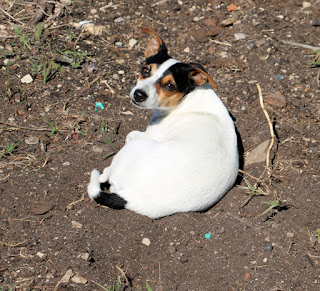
(49, 225)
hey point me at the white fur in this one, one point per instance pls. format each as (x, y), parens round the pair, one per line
(186, 160)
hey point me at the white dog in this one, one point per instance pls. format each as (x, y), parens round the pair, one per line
(187, 159)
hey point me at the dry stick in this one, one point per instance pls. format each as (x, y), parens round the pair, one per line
(124, 275)
(6, 13)
(28, 128)
(311, 47)
(269, 170)
(99, 285)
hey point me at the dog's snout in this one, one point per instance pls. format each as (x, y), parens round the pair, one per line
(140, 96)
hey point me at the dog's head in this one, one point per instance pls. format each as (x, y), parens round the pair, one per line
(164, 81)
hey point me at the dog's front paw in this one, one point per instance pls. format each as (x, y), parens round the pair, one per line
(134, 135)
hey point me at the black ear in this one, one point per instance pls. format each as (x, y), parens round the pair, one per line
(155, 45)
(200, 76)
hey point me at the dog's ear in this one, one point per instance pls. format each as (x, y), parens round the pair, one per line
(200, 76)
(155, 45)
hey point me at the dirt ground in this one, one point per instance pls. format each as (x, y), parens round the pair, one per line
(53, 133)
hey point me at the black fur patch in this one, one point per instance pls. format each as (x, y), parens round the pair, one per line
(158, 59)
(181, 75)
(111, 200)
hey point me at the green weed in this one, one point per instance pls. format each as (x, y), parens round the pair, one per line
(316, 59)
(38, 31)
(74, 57)
(8, 287)
(273, 204)
(252, 191)
(49, 69)
(10, 148)
(54, 129)
(24, 40)
(318, 233)
(104, 131)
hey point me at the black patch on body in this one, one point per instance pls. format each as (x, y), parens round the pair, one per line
(111, 200)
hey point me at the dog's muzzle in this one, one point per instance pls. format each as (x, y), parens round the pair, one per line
(139, 96)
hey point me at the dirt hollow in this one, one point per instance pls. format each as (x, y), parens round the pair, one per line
(52, 134)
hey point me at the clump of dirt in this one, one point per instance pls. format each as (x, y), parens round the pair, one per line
(53, 133)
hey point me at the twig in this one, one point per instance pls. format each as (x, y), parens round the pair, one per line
(6, 13)
(26, 128)
(245, 173)
(124, 275)
(99, 285)
(299, 44)
(13, 245)
(269, 170)
(74, 202)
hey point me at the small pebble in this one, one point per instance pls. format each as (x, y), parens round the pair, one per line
(172, 250)
(132, 42)
(279, 77)
(79, 279)
(75, 224)
(268, 248)
(119, 19)
(247, 276)
(187, 50)
(27, 79)
(31, 140)
(240, 36)
(146, 241)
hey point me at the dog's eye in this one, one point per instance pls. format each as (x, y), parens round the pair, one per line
(145, 72)
(169, 87)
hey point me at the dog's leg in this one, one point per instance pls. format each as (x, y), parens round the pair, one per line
(94, 185)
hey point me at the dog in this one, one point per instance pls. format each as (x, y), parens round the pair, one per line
(187, 159)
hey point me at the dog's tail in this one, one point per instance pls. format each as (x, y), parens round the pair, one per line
(103, 198)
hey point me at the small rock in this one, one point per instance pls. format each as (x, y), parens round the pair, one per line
(240, 36)
(41, 207)
(132, 43)
(220, 230)
(66, 277)
(276, 99)
(187, 50)
(79, 279)
(231, 7)
(258, 154)
(66, 164)
(84, 256)
(27, 79)
(192, 232)
(31, 140)
(290, 234)
(247, 276)
(268, 248)
(97, 149)
(265, 260)
(228, 21)
(146, 241)
(119, 19)
(76, 224)
(315, 21)
(306, 4)
(212, 50)
(40, 255)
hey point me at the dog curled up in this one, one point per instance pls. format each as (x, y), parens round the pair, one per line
(187, 159)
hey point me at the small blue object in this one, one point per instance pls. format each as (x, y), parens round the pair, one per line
(279, 77)
(99, 105)
(207, 235)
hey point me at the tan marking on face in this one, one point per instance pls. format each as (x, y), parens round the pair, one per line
(169, 96)
(151, 67)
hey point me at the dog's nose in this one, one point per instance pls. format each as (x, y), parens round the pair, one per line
(140, 96)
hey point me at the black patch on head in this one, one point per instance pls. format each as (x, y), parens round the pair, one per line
(181, 75)
(158, 59)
